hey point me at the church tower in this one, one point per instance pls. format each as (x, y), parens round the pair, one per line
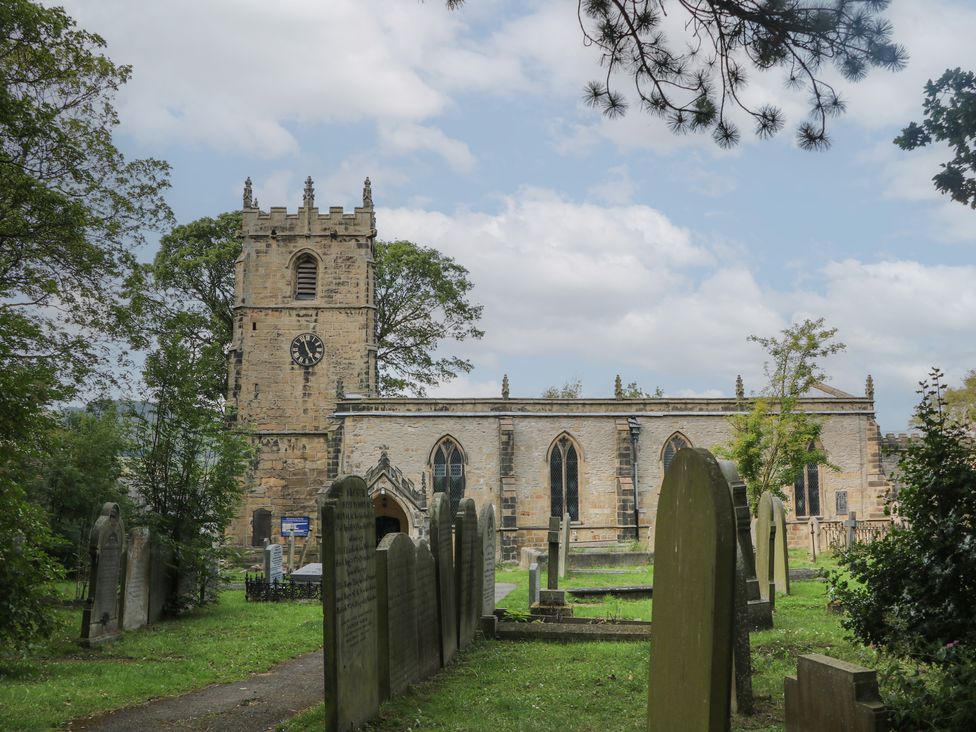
(304, 334)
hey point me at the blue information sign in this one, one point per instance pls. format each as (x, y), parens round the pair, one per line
(294, 525)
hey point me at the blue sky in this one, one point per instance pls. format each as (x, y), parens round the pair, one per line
(597, 246)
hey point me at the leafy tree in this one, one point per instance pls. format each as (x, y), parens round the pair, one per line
(189, 465)
(81, 470)
(950, 117)
(696, 83)
(774, 441)
(570, 390)
(633, 391)
(421, 300)
(960, 402)
(913, 591)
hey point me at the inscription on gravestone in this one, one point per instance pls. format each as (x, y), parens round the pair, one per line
(100, 619)
(135, 603)
(441, 545)
(428, 629)
(274, 565)
(467, 572)
(349, 604)
(694, 580)
(396, 583)
(486, 530)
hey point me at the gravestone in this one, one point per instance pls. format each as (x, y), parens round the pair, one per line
(759, 611)
(443, 551)
(274, 565)
(428, 628)
(564, 546)
(135, 596)
(349, 604)
(693, 610)
(781, 557)
(160, 578)
(829, 694)
(851, 525)
(100, 619)
(396, 603)
(814, 524)
(467, 572)
(552, 567)
(533, 584)
(486, 532)
(765, 547)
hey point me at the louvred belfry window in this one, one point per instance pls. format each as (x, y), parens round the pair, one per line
(564, 479)
(306, 277)
(448, 470)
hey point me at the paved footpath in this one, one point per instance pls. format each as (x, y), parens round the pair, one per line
(256, 703)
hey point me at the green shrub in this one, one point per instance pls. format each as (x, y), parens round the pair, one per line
(939, 696)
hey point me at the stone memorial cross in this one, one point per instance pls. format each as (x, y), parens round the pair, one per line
(851, 525)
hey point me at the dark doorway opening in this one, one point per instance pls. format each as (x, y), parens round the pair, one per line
(386, 525)
(260, 526)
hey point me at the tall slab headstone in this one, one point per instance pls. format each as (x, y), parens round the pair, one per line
(765, 547)
(759, 612)
(533, 583)
(554, 539)
(274, 563)
(396, 603)
(428, 627)
(781, 556)
(160, 578)
(100, 619)
(564, 546)
(349, 604)
(486, 534)
(135, 595)
(441, 545)
(693, 610)
(467, 572)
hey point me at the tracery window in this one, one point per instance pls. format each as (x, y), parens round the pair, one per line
(448, 470)
(306, 277)
(675, 442)
(806, 491)
(564, 478)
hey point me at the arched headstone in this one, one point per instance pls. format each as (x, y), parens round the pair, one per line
(486, 535)
(441, 547)
(781, 556)
(396, 602)
(467, 571)
(349, 604)
(100, 619)
(428, 628)
(765, 549)
(694, 580)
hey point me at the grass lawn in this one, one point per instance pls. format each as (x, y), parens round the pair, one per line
(596, 687)
(218, 643)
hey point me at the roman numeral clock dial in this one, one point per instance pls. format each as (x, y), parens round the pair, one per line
(307, 349)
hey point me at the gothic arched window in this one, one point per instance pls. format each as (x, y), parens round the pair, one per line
(675, 442)
(564, 478)
(448, 471)
(806, 491)
(306, 277)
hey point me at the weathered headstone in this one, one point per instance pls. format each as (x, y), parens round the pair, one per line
(765, 547)
(781, 559)
(100, 619)
(851, 525)
(564, 546)
(759, 611)
(533, 584)
(828, 694)
(486, 532)
(467, 573)
(135, 596)
(160, 578)
(693, 610)
(428, 628)
(274, 565)
(552, 568)
(441, 545)
(349, 604)
(396, 602)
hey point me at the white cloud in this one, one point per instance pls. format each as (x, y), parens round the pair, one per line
(406, 137)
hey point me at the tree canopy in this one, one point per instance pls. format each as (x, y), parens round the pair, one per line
(950, 117)
(696, 78)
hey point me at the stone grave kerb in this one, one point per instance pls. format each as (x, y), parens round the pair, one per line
(348, 530)
(692, 626)
(106, 547)
(552, 565)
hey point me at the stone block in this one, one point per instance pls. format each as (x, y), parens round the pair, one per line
(829, 694)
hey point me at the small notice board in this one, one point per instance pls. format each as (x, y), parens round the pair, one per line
(294, 525)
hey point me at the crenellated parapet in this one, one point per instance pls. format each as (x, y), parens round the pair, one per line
(308, 220)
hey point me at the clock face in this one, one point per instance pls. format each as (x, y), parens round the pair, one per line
(307, 349)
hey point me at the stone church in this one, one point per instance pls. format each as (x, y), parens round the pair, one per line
(303, 382)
